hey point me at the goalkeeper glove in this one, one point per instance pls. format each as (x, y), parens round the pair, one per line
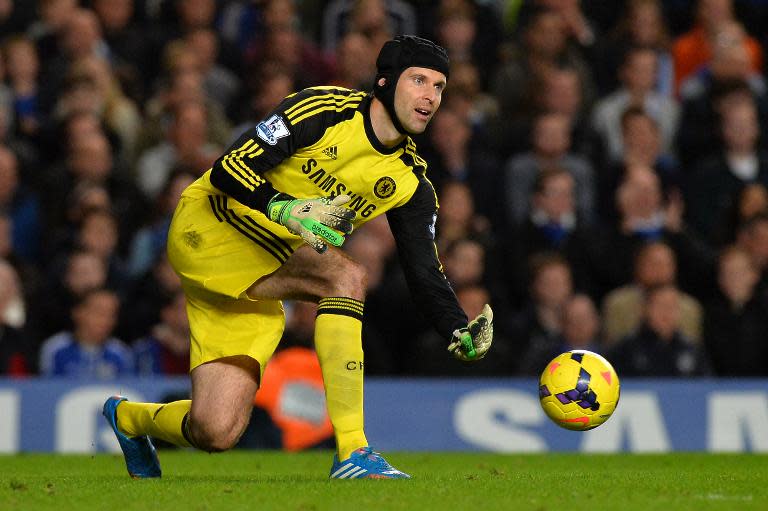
(317, 221)
(474, 341)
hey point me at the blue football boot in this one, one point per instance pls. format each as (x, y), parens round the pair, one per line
(364, 463)
(139, 453)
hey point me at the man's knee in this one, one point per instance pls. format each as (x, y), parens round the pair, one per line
(216, 434)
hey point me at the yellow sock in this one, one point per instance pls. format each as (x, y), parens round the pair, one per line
(164, 421)
(339, 345)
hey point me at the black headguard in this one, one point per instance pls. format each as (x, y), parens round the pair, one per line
(396, 56)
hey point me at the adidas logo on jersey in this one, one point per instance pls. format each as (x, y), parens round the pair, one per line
(331, 152)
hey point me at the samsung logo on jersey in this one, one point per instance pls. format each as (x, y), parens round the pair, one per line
(334, 187)
(271, 130)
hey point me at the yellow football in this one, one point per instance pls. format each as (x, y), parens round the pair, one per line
(579, 390)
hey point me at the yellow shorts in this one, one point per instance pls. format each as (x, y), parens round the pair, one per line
(220, 248)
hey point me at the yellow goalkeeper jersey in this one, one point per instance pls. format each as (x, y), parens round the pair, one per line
(320, 143)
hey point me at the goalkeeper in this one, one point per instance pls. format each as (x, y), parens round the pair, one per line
(264, 225)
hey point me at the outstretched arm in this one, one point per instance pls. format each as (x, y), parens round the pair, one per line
(413, 226)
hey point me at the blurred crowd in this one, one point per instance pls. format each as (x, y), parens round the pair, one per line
(601, 168)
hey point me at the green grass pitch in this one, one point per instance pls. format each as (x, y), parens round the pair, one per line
(262, 480)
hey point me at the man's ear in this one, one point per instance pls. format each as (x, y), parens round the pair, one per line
(382, 81)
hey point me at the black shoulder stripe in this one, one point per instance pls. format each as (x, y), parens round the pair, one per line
(327, 104)
(313, 94)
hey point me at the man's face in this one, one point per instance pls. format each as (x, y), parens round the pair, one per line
(662, 312)
(557, 196)
(417, 97)
(96, 317)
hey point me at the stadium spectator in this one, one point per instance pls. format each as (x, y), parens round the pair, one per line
(69, 280)
(714, 184)
(695, 48)
(641, 145)
(468, 99)
(637, 73)
(181, 82)
(642, 25)
(645, 214)
(23, 70)
(456, 154)
(63, 133)
(659, 348)
(730, 61)
(90, 160)
(220, 84)
(165, 348)
(654, 265)
(580, 330)
(470, 31)
(700, 122)
(544, 46)
(81, 199)
(554, 226)
(88, 350)
(458, 218)
(562, 91)
(736, 318)
(550, 286)
(99, 234)
(551, 148)
(464, 261)
(119, 114)
(186, 146)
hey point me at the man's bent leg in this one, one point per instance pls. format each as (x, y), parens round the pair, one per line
(222, 399)
(339, 346)
(337, 283)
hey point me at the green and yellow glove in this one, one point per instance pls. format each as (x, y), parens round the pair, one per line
(317, 221)
(474, 341)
